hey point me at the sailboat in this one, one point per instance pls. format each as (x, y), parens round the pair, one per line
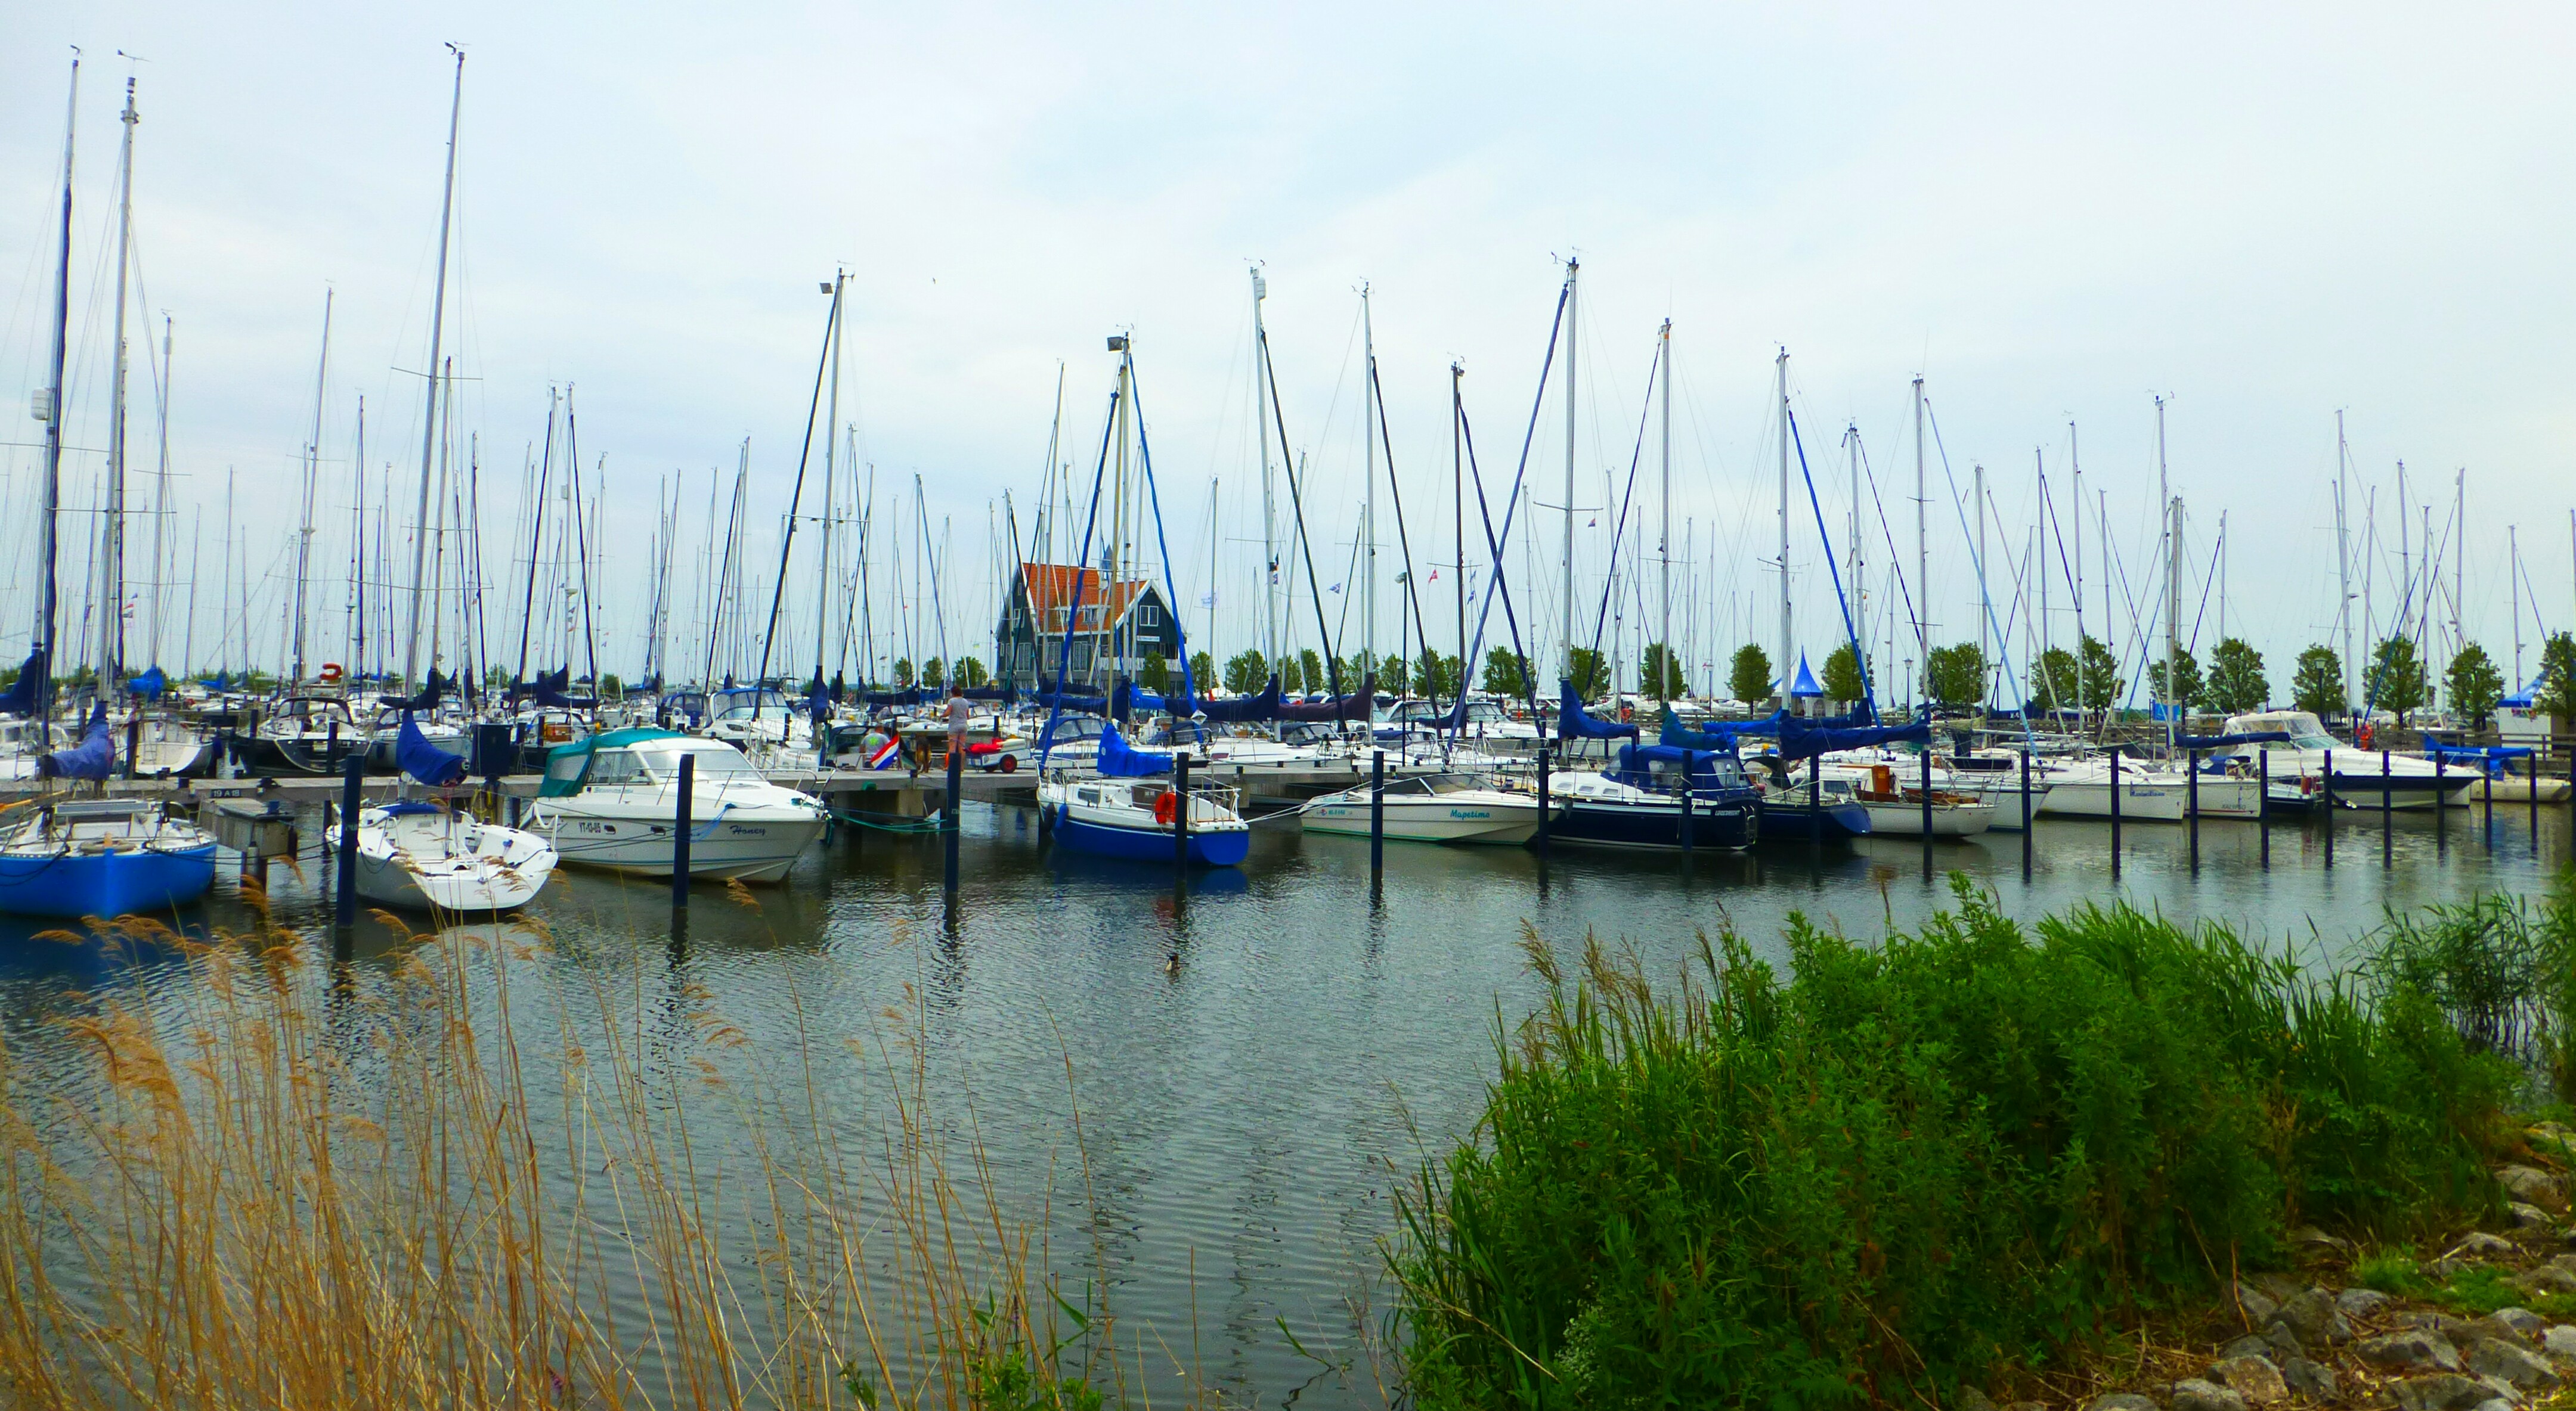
(416, 853)
(95, 856)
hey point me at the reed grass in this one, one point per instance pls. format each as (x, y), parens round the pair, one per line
(285, 1182)
(1911, 1162)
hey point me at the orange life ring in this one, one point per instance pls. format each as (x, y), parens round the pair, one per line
(2361, 734)
(331, 673)
(1167, 807)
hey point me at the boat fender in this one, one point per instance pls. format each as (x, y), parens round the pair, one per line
(1167, 807)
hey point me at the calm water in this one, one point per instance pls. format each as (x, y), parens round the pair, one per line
(1249, 1062)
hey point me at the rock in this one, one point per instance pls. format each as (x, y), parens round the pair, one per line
(2510, 1362)
(2314, 1319)
(2120, 1401)
(2447, 1269)
(2530, 1183)
(2410, 1351)
(2309, 1242)
(2559, 1341)
(2522, 1321)
(2282, 1341)
(2548, 1278)
(2278, 1287)
(2480, 1244)
(2255, 1379)
(1971, 1399)
(2028, 1406)
(2257, 1305)
(2527, 1216)
(2314, 1380)
(2443, 1391)
(2193, 1394)
(2563, 1261)
(2247, 1346)
(2360, 1303)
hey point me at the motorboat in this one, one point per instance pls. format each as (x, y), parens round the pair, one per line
(1433, 808)
(2149, 792)
(2293, 745)
(612, 801)
(1651, 794)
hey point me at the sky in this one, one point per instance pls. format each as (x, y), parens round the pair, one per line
(2266, 215)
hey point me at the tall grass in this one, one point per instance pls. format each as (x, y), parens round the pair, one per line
(2501, 967)
(286, 1183)
(1911, 1161)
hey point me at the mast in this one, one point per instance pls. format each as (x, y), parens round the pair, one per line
(1368, 498)
(2459, 555)
(429, 416)
(2513, 588)
(1985, 598)
(312, 473)
(1787, 635)
(1269, 508)
(46, 529)
(1922, 559)
(2343, 560)
(111, 615)
(2172, 510)
(161, 548)
(2039, 465)
(1664, 533)
(1572, 268)
(831, 418)
(1458, 516)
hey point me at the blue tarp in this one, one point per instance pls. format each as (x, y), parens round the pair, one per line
(1806, 687)
(431, 694)
(1635, 767)
(149, 685)
(1128, 696)
(2488, 759)
(21, 699)
(424, 761)
(1240, 709)
(549, 689)
(1800, 739)
(1573, 724)
(1120, 760)
(407, 808)
(1067, 700)
(911, 697)
(93, 758)
(1680, 736)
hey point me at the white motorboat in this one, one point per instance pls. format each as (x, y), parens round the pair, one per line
(1433, 808)
(2149, 793)
(612, 801)
(2363, 778)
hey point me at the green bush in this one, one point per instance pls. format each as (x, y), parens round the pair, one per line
(1912, 1161)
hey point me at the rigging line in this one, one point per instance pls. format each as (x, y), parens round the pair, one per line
(1412, 597)
(1895, 560)
(1162, 544)
(1619, 526)
(1493, 545)
(2003, 644)
(1494, 542)
(2208, 584)
(1859, 659)
(1073, 613)
(804, 454)
(1305, 543)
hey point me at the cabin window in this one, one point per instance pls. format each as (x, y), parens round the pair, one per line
(613, 767)
(566, 768)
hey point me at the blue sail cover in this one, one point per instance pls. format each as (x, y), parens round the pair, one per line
(1680, 736)
(21, 697)
(910, 697)
(1635, 766)
(2488, 759)
(149, 685)
(551, 688)
(1006, 694)
(1573, 724)
(93, 758)
(1802, 739)
(1358, 705)
(1120, 760)
(1067, 700)
(431, 693)
(1127, 696)
(1240, 709)
(424, 761)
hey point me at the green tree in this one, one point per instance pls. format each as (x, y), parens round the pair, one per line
(902, 672)
(1659, 673)
(1155, 675)
(2101, 674)
(1436, 675)
(934, 672)
(2052, 679)
(2316, 684)
(1503, 674)
(1246, 672)
(609, 685)
(2236, 683)
(1842, 679)
(1748, 677)
(1203, 671)
(1395, 674)
(1292, 676)
(2186, 685)
(1958, 675)
(1310, 670)
(1589, 671)
(2397, 678)
(2474, 685)
(970, 670)
(2555, 691)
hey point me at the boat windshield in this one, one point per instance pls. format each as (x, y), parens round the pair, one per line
(2315, 742)
(717, 766)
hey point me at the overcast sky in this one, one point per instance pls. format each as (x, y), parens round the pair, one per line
(2266, 217)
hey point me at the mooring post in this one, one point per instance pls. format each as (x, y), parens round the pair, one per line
(2387, 817)
(2325, 801)
(2191, 802)
(2115, 811)
(680, 832)
(1927, 807)
(1690, 822)
(948, 821)
(2025, 814)
(2487, 802)
(133, 740)
(2441, 807)
(2531, 796)
(1377, 817)
(353, 773)
(1539, 838)
(2263, 804)
(1816, 806)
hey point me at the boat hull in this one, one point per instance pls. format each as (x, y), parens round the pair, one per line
(1793, 821)
(1653, 826)
(1211, 847)
(1949, 820)
(1418, 820)
(444, 865)
(127, 882)
(747, 850)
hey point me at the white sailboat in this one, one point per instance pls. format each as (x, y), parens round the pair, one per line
(415, 853)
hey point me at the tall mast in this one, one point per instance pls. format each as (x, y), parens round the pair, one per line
(1664, 533)
(2173, 583)
(1788, 647)
(1269, 507)
(2459, 555)
(2039, 465)
(111, 614)
(312, 473)
(161, 547)
(2075, 496)
(1458, 515)
(2343, 560)
(43, 632)
(1922, 560)
(2513, 588)
(1985, 598)
(1860, 602)
(1368, 499)
(429, 416)
(1572, 267)
(832, 419)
